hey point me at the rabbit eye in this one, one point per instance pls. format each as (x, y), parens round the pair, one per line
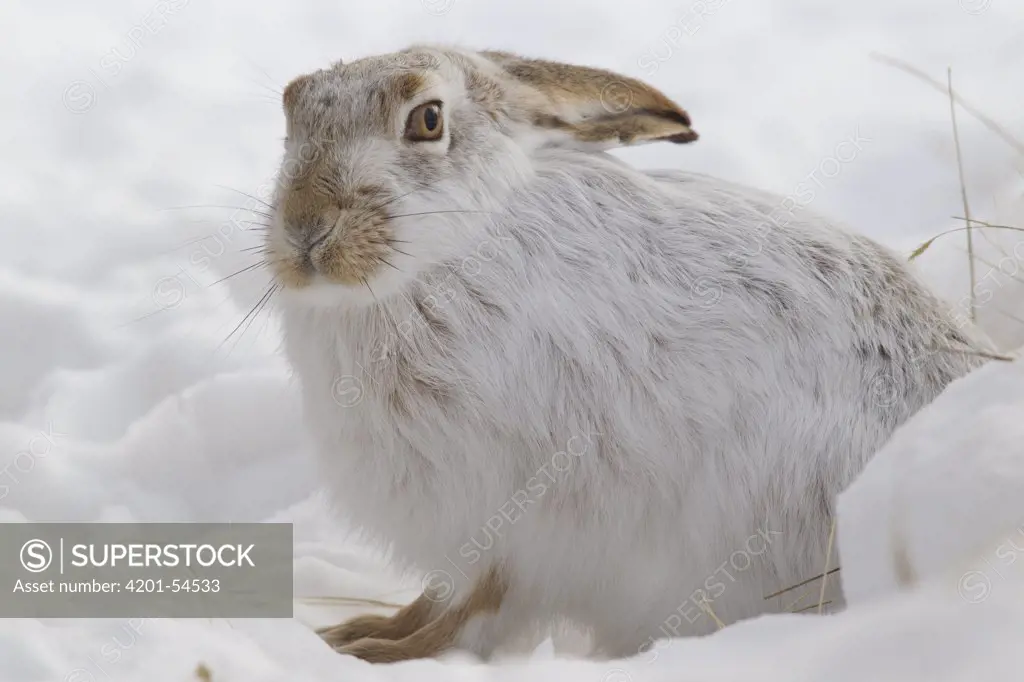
(425, 123)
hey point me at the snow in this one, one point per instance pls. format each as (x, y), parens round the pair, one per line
(940, 491)
(121, 401)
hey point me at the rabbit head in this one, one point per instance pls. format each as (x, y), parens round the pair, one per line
(386, 157)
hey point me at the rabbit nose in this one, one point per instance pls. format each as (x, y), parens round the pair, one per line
(311, 230)
(314, 236)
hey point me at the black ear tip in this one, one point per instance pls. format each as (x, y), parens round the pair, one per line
(682, 138)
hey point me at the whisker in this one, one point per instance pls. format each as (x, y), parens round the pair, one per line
(208, 221)
(262, 263)
(392, 200)
(256, 225)
(212, 235)
(270, 290)
(263, 305)
(271, 90)
(234, 208)
(269, 101)
(182, 246)
(246, 194)
(385, 261)
(407, 215)
(387, 314)
(143, 317)
(273, 87)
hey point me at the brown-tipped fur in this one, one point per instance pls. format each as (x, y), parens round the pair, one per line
(408, 620)
(292, 92)
(437, 635)
(595, 105)
(350, 256)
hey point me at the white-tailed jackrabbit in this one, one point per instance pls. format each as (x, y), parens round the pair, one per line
(561, 387)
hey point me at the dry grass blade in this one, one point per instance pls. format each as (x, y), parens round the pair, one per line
(350, 601)
(963, 195)
(996, 309)
(803, 595)
(705, 606)
(828, 557)
(992, 225)
(972, 110)
(808, 608)
(802, 583)
(995, 266)
(924, 247)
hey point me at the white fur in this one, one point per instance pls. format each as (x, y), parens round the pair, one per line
(636, 379)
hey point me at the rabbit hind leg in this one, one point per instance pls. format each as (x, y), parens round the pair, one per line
(438, 635)
(406, 621)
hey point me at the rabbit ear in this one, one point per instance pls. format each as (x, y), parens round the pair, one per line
(591, 108)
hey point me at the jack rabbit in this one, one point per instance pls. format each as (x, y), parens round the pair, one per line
(561, 388)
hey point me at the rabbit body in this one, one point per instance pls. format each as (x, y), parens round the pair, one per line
(636, 394)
